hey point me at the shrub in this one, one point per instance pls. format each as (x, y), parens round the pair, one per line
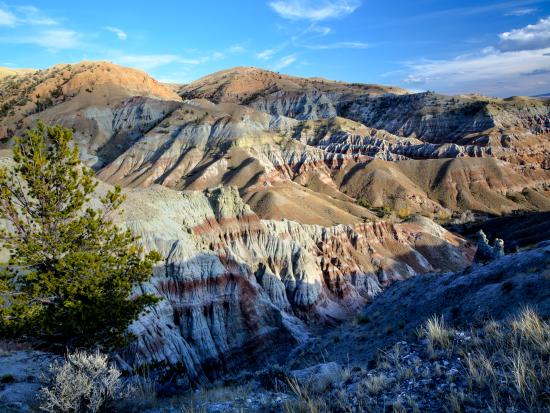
(83, 383)
(7, 378)
(404, 213)
(444, 215)
(57, 92)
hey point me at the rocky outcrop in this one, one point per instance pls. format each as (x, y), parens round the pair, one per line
(231, 282)
(486, 251)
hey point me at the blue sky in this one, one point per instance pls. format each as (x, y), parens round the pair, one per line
(499, 48)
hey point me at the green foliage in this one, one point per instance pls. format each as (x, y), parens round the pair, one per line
(381, 212)
(71, 271)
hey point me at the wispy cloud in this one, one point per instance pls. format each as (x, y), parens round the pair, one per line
(491, 72)
(33, 16)
(488, 65)
(58, 39)
(7, 18)
(531, 37)
(284, 62)
(152, 61)
(537, 72)
(222, 54)
(475, 10)
(236, 48)
(521, 12)
(50, 39)
(456, 12)
(266, 54)
(518, 64)
(24, 15)
(314, 10)
(118, 32)
(337, 45)
(29, 24)
(320, 30)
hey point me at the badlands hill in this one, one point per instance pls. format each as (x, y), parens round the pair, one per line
(280, 203)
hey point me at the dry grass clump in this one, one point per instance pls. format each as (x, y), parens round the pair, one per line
(455, 402)
(529, 330)
(305, 401)
(437, 333)
(511, 362)
(376, 384)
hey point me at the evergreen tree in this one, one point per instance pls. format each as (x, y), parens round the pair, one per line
(72, 273)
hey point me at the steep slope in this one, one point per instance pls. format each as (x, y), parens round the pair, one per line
(234, 284)
(476, 184)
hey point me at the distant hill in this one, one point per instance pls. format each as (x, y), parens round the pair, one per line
(7, 71)
(243, 84)
(311, 150)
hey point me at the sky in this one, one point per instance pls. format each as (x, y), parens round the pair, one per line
(497, 48)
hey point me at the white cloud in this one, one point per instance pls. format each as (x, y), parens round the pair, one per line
(26, 15)
(491, 72)
(314, 10)
(518, 64)
(152, 61)
(338, 45)
(236, 48)
(217, 56)
(322, 30)
(520, 12)
(50, 39)
(33, 16)
(7, 18)
(531, 37)
(119, 32)
(266, 54)
(284, 62)
(58, 39)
